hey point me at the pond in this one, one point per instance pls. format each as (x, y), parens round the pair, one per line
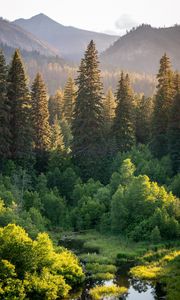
(137, 289)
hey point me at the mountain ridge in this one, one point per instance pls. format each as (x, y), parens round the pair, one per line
(70, 41)
(141, 49)
(13, 35)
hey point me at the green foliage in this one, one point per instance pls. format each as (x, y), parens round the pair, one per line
(155, 235)
(5, 134)
(20, 110)
(69, 99)
(165, 270)
(54, 208)
(140, 206)
(32, 269)
(162, 107)
(55, 106)
(174, 130)
(40, 115)
(99, 292)
(88, 121)
(124, 127)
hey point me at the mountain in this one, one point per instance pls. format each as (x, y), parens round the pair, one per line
(14, 36)
(70, 41)
(141, 49)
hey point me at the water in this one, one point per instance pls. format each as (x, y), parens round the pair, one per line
(137, 289)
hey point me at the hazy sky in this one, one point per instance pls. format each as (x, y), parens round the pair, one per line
(111, 16)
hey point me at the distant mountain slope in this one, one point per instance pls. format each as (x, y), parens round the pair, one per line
(70, 41)
(141, 49)
(14, 36)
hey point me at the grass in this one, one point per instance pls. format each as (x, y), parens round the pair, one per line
(156, 262)
(99, 292)
(110, 247)
(164, 266)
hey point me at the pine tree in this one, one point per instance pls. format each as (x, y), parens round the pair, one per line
(69, 99)
(55, 105)
(88, 122)
(5, 135)
(174, 127)
(109, 107)
(123, 127)
(162, 107)
(144, 111)
(20, 108)
(40, 117)
(57, 142)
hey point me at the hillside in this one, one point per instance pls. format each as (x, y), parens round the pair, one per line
(70, 41)
(141, 49)
(14, 36)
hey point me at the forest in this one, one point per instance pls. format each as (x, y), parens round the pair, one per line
(82, 160)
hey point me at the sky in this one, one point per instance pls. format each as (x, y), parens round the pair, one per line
(110, 16)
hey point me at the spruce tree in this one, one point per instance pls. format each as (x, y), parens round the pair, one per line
(109, 107)
(5, 135)
(144, 111)
(88, 121)
(40, 117)
(163, 103)
(69, 99)
(123, 128)
(57, 141)
(174, 127)
(55, 105)
(20, 108)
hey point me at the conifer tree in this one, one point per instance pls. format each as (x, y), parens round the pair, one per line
(109, 107)
(69, 99)
(40, 116)
(57, 142)
(5, 135)
(88, 121)
(174, 127)
(56, 106)
(163, 103)
(123, 127)
(20, 108)
(144, 111)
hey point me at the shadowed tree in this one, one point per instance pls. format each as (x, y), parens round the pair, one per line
(20, 108)
(123, 127)
(88, 120)
(40, 118)
(163, 103)
(5, 135)
(174, 127)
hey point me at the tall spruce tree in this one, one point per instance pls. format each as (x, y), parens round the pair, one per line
(40, 117)
(88, 121)
(20, 108)
(69, 99)
(123, 128)
(163, 103)
(174, 127)
(5, 135)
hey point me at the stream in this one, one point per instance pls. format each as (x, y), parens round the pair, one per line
(137, 289)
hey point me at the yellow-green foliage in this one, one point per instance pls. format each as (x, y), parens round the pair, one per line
(102, 276)
(33, 268)
(146, 272)
(99, 292)
(97, 268)
(164, 267)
